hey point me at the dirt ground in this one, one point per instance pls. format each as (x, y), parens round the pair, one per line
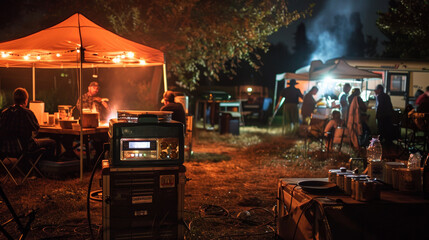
(230, 192)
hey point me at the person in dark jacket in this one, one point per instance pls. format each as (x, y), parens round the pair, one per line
(291, 96)
(384, 115)
(20, 122)
(177, 108)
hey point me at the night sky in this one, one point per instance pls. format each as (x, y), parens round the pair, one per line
(326, 9)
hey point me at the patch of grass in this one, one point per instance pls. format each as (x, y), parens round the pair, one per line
(209, 157)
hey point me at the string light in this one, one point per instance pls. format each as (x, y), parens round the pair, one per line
(125, 57)
(117, 59)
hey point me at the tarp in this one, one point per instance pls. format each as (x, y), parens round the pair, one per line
(59, 46)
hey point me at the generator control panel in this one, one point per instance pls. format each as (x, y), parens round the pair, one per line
(141, 149)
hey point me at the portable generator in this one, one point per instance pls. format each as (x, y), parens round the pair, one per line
(143, 180)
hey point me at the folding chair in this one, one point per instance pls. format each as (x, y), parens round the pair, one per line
(23, 227)
(315, 131)
(12, 149)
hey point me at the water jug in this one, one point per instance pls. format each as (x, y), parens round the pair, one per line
(374, 153)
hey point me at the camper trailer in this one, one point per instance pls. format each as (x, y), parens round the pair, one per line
(401, 78)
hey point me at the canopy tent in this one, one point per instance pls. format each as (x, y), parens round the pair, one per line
(77, 43)
(318, 71)
(74, 43)
(339, 70)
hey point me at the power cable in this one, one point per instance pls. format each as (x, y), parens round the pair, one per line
(88, 210)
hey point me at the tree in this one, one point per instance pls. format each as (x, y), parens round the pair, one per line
(302, 49)
(356, 43)
(201, 38)
(406, 26)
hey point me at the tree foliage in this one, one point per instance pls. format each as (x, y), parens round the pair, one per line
(406, 26)
(201, 39)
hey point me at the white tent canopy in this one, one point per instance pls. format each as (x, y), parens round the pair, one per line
(339, 70)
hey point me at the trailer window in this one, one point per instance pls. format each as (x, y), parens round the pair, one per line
(397, 83)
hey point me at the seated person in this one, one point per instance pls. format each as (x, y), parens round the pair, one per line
(176, 108)
(422, 102)
(19, 121)
(332, 125)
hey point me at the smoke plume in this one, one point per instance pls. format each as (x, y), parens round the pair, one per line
(331, 28)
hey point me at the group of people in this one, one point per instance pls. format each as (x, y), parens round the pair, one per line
(19, 122)
(352, 112)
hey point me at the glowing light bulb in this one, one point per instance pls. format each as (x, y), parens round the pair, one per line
(26, 57)
(38, 57)
(130, 54)
(116, 60)
(78, 51)
(3, 54)
(249, 89)
(122, 56)
(142, 62)
(58, 55)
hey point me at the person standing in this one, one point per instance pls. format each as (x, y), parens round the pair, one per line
(291, 96)
(177, 108)
(92, 101)
(357, 120)
(20, 122)
(384, 115)
(309, 104)
(344, 104)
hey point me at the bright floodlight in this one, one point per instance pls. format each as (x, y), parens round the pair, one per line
(142, 62)
(327, 78)
(249, 89)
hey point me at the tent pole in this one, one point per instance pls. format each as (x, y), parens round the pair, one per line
(81, 132)
(275, 95)
(34, 82)
(81, 58)
(164, 72)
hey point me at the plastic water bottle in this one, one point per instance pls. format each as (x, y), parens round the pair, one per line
(374, 153)
(414, 159)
